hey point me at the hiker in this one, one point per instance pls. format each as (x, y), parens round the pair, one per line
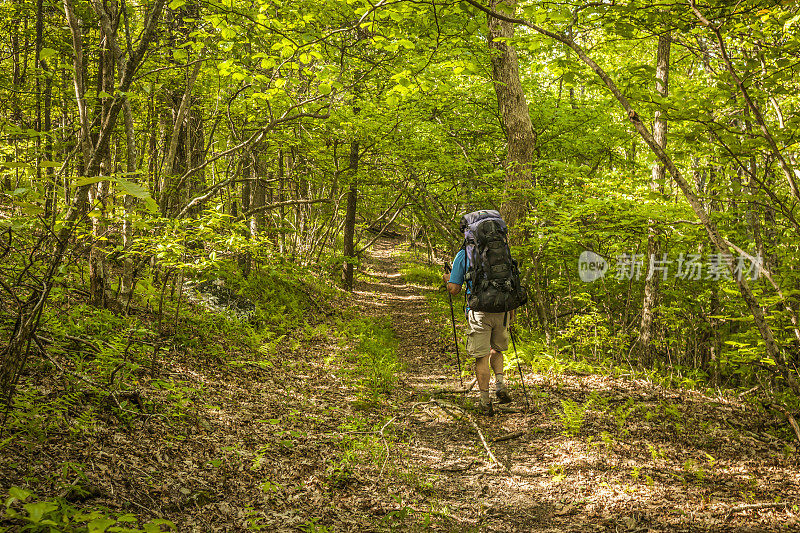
(490, 302)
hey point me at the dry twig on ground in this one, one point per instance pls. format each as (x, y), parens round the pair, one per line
(453, 410)
(752, 506)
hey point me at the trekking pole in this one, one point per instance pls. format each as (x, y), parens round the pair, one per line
(519, 366)
(447, 270)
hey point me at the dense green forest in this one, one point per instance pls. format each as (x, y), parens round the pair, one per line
(206, 205)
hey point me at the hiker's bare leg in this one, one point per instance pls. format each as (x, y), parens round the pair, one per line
(482, 373)
(496, 360)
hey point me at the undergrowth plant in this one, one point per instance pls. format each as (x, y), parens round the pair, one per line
(375, 354)
(420, 274)
(572, 416)
(24, 509)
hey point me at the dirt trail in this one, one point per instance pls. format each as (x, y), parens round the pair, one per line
(641, 458)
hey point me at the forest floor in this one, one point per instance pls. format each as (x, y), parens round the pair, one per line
(305, 441)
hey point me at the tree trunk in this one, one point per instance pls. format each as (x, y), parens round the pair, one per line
(177, 158)
(281, 198)
(98, 279)
(514, 115)
(651, 285)
(259, 200)
(246, 163)
(126, 281)
(350, 220)
(196, 157)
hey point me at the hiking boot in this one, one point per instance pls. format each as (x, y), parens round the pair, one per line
(503, 396)
(485, 409)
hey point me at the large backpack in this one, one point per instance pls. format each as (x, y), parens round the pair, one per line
(492, 272)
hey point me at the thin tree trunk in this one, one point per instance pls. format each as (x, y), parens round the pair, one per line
(126, 282)
(259, 200)
(170, 190)
(282, 198)
(350, 220)
(246, 164)
(98, 278)
(656, 185)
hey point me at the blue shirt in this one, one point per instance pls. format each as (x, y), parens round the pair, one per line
(459, 269)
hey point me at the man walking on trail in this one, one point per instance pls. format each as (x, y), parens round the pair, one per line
(487, 339)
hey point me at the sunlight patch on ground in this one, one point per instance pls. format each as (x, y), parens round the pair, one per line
(368, 294)
(431, 454)
(410, 297)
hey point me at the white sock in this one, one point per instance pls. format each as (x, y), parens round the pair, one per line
(499, 382)
(484, 397)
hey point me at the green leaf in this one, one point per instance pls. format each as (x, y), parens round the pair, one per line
(89, 181)
(46, 53)
(175, 4)
(99, 525)
(37, 510)
(154, 526)
(32, 210)
(19, 494)
(324, 88)
(137, 191)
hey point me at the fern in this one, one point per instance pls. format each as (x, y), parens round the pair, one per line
(571, 416)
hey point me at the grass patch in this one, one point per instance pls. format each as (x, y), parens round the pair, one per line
(419, 274)
(374, 354)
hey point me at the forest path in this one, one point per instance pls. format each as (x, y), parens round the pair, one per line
(598, 452)
(454, 475)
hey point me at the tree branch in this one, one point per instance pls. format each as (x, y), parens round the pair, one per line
(376, 237)
(284, 203)
(255, 137)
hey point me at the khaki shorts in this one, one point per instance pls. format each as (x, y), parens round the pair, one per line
(484, 332)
